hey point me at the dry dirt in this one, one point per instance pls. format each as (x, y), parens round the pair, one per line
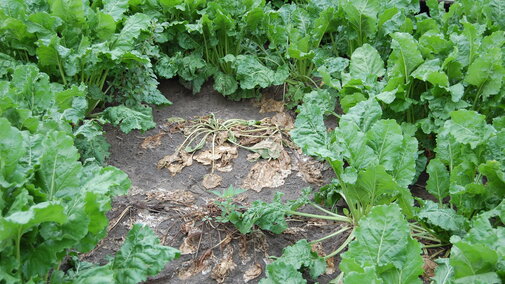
(180, 209)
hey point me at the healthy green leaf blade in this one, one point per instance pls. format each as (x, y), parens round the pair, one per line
(385, 138)
(19, 222)
(295, 257)
(141, 256)
(445, 218)
(59, 166)
(405, 57)
(115, 8)
(383, 243)
(11, 151)
(438, 182)
(366, 64)
(137, 117)
(469, 127)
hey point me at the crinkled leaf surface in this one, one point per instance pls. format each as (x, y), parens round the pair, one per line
(383, 243)
(469, 127)
(445, 218)
(295, 257)
(137, 117)
(141, 256)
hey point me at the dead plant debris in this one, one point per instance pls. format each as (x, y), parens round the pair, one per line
(201, 264)
(176, 162)
(225, 266)
(211, 181)
(179, 196)
(252, 272)
(214, 142)
(153, 141)
(269, 105)
(270, 173)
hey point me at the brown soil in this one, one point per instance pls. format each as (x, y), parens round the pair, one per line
(180, 209)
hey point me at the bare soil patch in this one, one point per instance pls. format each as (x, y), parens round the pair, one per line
(180, 207)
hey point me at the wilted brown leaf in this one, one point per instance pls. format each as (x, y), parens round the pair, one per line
(283, 121)
(242, 244)
(330, 262)
(190, 243)
(268, 173)
(330, 266)
(211, 181)
(175, 119)
(253, 157)
(221, 137)
(222, 157)
(176, 162)
(152, 142)
(223, 269)
(226, 240)
(206, 157)
(173, 124)
(192, 267)
(253, 272)
(270, 105)
(428, 267)
(268, 149)
(311, 171)
(248, 140)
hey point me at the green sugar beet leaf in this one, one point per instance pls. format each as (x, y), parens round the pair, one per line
(366, 64)
(19, 222)
(251, 73)
(141, 256)
(294, 258)
(364, 114)
(383, 244)
(281, 272)
(129, 118)
(368, 276)
(268, 216)
(310, 132)
(115, 8)
(132, 28)
(431, 71)
(59, 167)
(11, 152)
(438, 182)
(469, 127)
(443, 272)
(385, 138)
(405, 57)
(478, 256)
(225, 83)
(444, 218)
(362, 17)
(472, 260)
(109, 181)
(91, 143)
(404, 165)
(486, 74)
(301, 255)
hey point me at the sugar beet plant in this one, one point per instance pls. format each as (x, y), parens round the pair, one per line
(53, 201)
(102, 45)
